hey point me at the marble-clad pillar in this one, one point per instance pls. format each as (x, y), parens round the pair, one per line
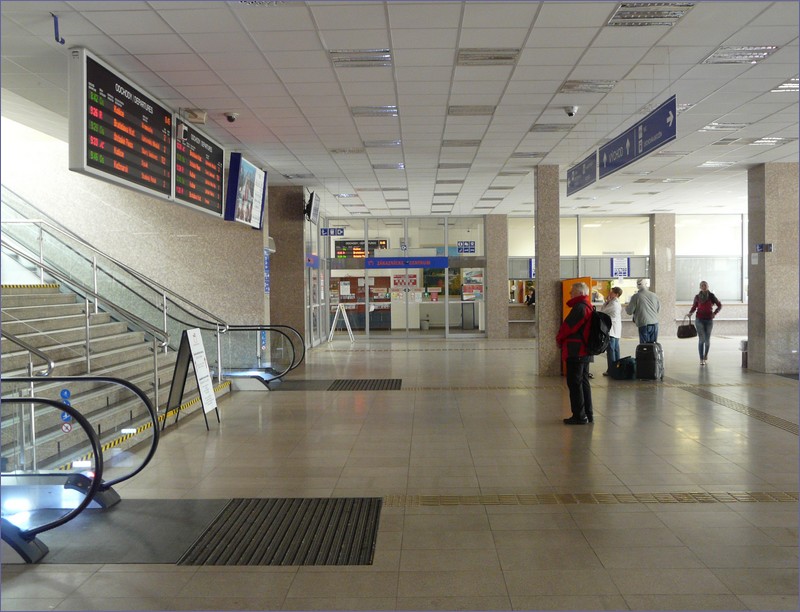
(496, 233)
(287, 264)
(548, 269)
(772, 311)
(662, 270)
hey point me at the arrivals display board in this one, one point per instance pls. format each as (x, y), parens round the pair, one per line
(117, 131)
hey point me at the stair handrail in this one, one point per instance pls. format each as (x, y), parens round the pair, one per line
(151, 411)
(32, 350)
(97, 450)
(164, 291)
(160, 337)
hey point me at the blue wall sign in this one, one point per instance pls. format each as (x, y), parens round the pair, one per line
(312, 261)
(620, 267)
(65, 416)
(266, 271)
(372, 263)
(532, 267)
(652, 132)
(465, 246)
(331, 231)
(582, 174)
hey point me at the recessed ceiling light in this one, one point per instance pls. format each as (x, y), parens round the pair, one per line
(513, 173)
(792, 85)
(527, 154)
(637, 14)
(361, 58)
(470, 110)
(676, 180)
(716, 164)
(740, 54)
(395, 189)
(449, 181)
(551, 127)
(453, 166)
(487, 57)
(461, 143)
(718, 126)
(396, 166)
(344, 151)
(374, 111)
(294, 177)
(587, 86)
(771, 141)
(682, 108)
(345, 195)
(380, 144)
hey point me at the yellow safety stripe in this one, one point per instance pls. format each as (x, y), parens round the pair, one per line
(122, 438)
(45, 286)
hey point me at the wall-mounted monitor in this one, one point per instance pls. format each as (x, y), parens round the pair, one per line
(198, 169)
(246, 193)
(117, 132)
(312, 207)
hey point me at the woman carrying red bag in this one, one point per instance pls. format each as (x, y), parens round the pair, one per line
(704, 303)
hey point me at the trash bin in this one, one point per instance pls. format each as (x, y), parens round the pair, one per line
(743, 348)
(425, 324)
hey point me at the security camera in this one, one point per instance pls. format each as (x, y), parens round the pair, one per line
(571, 110)
(231, 117)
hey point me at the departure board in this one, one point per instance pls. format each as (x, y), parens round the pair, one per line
(117, 132)
(346, 249)
(198, 169)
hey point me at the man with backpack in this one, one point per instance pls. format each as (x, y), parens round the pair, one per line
(572, 339)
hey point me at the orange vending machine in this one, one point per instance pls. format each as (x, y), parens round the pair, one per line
(566, 286)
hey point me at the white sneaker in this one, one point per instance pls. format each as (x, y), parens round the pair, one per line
(702, 362)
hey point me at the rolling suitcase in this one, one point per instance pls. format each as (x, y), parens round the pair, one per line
(650, 361)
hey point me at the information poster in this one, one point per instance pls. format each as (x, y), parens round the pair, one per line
(201, 371)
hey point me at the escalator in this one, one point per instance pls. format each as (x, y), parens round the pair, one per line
(55, 455)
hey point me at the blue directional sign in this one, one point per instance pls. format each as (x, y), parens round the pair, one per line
(405, 262)
(582, 174)
(66, 417)
(331, 231)
(652, 132)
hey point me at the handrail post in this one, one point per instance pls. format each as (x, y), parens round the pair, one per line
(41, 253)
(219, 355)
(94, 281)
(88, 358)
(164, 308)
(155, 376)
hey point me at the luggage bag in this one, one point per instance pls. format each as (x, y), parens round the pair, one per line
(623, 369)
(650, 361)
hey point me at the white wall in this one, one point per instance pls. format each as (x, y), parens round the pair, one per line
(216, 264)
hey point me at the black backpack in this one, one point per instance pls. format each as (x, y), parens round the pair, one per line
(599, 332)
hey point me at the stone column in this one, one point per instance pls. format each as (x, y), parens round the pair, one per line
(548, 270)
(287, 264)
(772, 313)
(496, 233)
(662, 270)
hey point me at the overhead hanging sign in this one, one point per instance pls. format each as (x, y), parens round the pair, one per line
(655, 130)
(582, 174)
(405, 262)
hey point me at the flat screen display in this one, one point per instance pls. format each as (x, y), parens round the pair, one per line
(117, 131)
(312, 208)
(198, 169)
(247, 189)
(346, 249)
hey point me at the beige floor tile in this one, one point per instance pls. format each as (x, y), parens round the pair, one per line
(570, 582)
(687, 602)
(648, 557)
(476, 583)
(339, 603)
(343, 584)
(759, 581)
(668, 581)
(415, 560)
(550, 557)
(112, 603)
(226, 603)
(570, 602)
(770, 602)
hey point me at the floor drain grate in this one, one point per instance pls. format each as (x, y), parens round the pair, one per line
(367, 384)
(315, 531)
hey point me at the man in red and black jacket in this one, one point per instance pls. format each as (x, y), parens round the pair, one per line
(572, 340)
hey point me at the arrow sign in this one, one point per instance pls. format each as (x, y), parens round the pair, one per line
(654, 131)
(582, 174)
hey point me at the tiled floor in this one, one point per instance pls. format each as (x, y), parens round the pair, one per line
(490, 501)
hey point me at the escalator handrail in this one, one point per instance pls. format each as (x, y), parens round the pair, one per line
(119, 381)
(32, 349)
(29, 534)
(277, 328)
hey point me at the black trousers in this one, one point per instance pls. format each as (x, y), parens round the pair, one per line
(580, 391)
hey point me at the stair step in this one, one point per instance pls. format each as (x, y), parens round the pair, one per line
(24, 313)
(54, 323)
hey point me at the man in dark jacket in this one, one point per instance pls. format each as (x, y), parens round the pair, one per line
(572, 340)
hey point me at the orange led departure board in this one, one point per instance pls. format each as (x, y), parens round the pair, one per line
(198, 169)
(345, 249)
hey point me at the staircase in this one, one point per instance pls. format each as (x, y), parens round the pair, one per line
(53, 321)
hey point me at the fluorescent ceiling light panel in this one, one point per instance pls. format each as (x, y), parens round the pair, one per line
(449, 181)
(639, 14)
(716, 164)
(527, 154)
(551, 127)
(345, 195)
(380, 144)
(587, 86)
(344, 151)
(360, 58)
(461, 143)
(676, 180)
(294, 177)
(374, 111)
(470, 110)
(513, 173)
(740, 54)
(792, 85)
(771, 141)
(487, 57)
(718, 126)
(453, 166)
(397, 166)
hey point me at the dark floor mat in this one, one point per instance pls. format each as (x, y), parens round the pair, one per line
(132, 531)
(316, 531)
(299, 385)
(367, 384)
